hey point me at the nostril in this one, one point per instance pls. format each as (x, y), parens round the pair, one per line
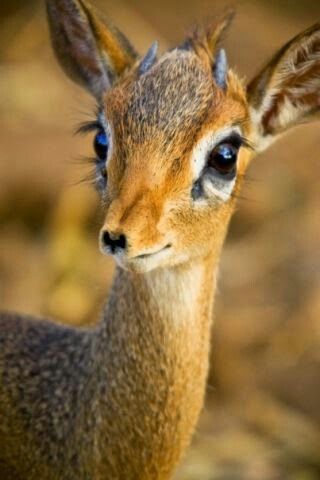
(105, 238)
(122, 242)
(113, 241)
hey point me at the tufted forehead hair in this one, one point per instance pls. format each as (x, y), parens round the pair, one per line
(170, 101)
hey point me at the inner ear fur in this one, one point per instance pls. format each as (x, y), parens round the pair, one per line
(287, 90)
(92, 52)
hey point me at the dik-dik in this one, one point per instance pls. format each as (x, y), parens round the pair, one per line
(173, 139)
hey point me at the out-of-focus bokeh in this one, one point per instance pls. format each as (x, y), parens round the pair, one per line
(262, 415)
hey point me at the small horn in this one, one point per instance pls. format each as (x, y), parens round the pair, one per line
(149, 59)
(221, 69)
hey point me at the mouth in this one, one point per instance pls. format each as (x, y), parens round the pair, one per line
(144, 262)
(150, 254)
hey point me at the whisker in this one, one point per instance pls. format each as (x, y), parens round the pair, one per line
(242, 197)
(247, 178)
(211, 388)
(251, 180)
(94, 226)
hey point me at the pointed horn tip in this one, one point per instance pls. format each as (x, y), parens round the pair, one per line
(154, 45)
(221, 56)
(221, 68)
(149, 59)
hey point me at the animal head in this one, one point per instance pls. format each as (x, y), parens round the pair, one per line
(175, 134)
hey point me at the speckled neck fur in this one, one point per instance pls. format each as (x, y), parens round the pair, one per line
(154, 388)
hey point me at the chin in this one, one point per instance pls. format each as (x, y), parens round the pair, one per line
(150, 263)
(137, 266)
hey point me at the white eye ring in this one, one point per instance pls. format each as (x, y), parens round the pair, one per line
(212, 185)
(206, 144)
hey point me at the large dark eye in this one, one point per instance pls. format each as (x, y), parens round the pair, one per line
(101, 144)
(223, 158)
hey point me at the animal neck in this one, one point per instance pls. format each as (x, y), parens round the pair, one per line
(153, 344)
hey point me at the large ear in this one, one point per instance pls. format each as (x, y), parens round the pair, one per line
(91, 52)
(287, 91)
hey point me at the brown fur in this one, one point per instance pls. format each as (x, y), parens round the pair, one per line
(121, 401)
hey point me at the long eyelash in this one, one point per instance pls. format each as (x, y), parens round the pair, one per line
(82, 160)
(89, 179)
(246, 143)
(238, 141)
(94, 176)
(87, 127)
(90, 175)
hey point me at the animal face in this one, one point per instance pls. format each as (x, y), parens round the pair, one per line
(174, 135)
(177, 150)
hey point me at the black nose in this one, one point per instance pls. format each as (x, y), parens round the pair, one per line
(113, 241)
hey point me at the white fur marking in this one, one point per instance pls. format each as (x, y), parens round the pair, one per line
(221, 188)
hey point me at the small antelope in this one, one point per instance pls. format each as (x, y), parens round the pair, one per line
(173, 139)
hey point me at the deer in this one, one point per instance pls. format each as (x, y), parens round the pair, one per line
(173, 138)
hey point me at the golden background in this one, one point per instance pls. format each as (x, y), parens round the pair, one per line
(262, 415)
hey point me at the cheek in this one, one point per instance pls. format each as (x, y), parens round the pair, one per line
(198, 229)
(188, 226)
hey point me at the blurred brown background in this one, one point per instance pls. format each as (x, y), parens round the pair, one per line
(262, 414)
